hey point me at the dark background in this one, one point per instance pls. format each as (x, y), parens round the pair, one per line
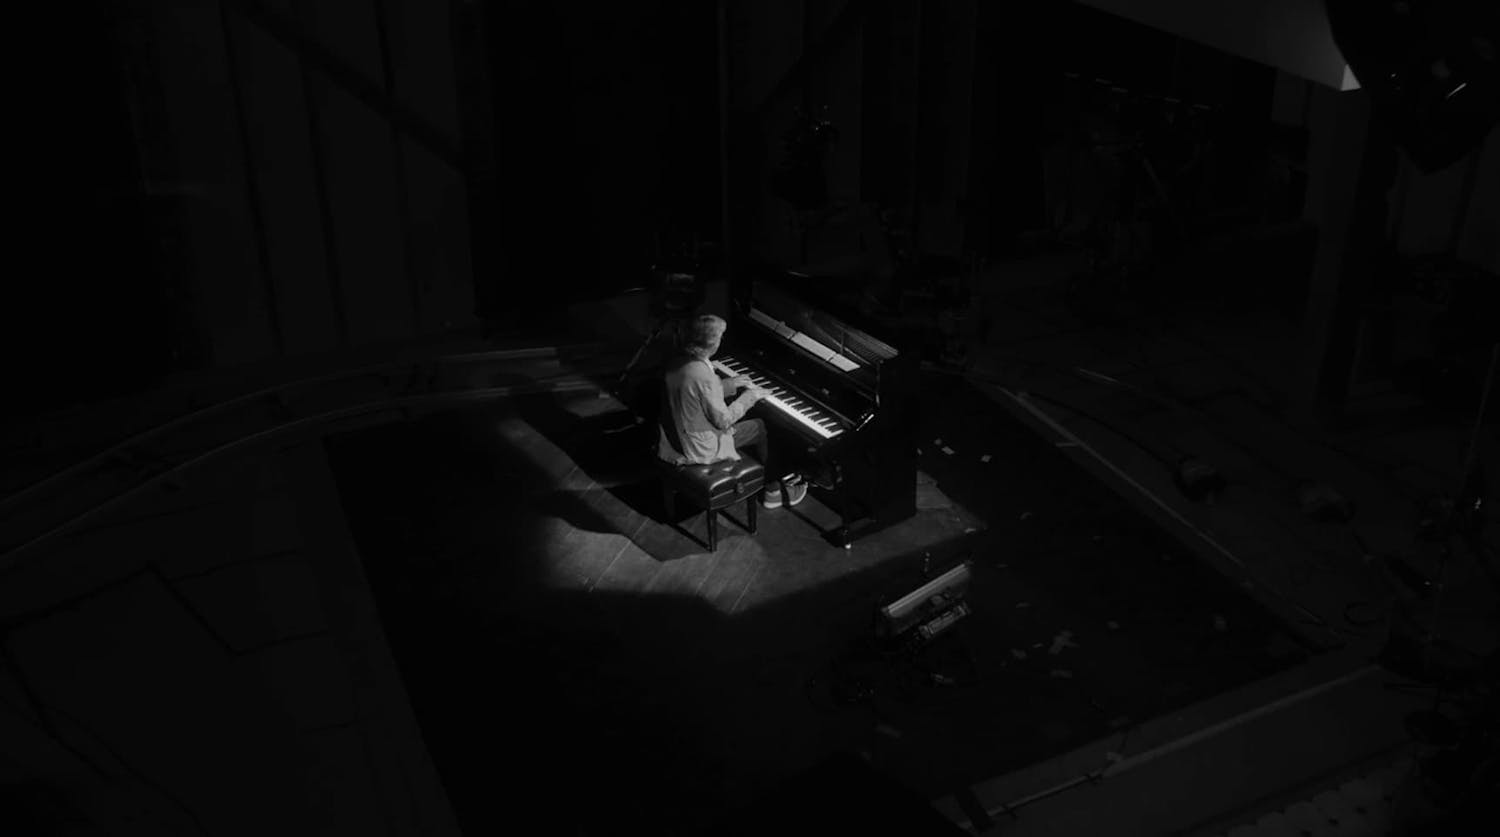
(218, 185)
(606, 139)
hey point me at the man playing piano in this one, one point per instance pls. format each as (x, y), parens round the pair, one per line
(709, 427)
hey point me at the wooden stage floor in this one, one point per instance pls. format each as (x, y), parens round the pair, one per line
(581, 666)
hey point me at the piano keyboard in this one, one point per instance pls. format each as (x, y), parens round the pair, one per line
(799, 410)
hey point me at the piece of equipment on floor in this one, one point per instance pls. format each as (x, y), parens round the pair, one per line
(926, 612)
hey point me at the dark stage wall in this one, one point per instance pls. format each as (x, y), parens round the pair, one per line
(83, 310)
(225, 183)
(227, 187)
(606, 143)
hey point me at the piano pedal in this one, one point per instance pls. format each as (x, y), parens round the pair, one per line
(823, 479)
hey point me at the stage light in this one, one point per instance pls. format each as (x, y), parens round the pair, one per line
(1430, 68)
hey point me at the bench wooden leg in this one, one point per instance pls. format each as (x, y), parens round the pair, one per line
(713, 530)
(669, 502)
(750, 509)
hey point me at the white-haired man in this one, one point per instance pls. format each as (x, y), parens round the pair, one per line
(710, 427)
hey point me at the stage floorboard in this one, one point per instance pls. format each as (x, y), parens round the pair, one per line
(578, 663)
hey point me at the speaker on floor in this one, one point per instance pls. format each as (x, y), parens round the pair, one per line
(1431, 68)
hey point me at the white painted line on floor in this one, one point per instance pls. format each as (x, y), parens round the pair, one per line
(1242, 718)
(735, 608)
(611, 563)
(1074, 440)
(1119, 765)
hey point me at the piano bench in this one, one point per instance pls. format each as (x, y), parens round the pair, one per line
(713, 488)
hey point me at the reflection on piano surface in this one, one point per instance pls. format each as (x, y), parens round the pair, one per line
(847, 396)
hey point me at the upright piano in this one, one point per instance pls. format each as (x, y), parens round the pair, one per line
(843, 402)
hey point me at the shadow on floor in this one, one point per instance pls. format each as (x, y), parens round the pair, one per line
(614, 448)
(647, 703)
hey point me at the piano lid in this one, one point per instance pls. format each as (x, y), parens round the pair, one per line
(814, 330)
(813, 346)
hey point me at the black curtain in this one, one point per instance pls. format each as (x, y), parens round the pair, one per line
(606, 137)
(88, 315)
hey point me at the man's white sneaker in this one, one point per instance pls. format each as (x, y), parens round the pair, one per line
(771, 499)
(795, 493)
